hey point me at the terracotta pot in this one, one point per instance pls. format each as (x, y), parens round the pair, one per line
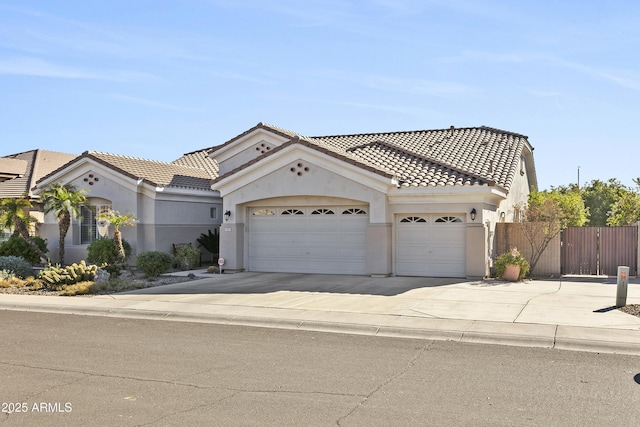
(511, 272)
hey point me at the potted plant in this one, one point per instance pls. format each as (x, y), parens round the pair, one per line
(511, 266)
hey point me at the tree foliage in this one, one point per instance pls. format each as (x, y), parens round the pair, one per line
(599, 197)
(626, 209)
(547, 214)
(14, 215)
(119, 220)
(64, 201)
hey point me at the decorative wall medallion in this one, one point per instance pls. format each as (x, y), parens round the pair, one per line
(299, 169)
(263, 148)
(91, 179)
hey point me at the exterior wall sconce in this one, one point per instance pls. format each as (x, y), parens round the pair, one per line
(227, 215)
(473, 214)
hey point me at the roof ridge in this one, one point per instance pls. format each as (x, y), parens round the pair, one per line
(400, 132)
(492, 129)
(123, 156)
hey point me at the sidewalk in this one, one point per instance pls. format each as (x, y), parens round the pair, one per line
(575, 314)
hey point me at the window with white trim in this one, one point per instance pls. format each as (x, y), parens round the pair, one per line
(263, 212)
(413, 219)
(354, 211)
(448, 219)
(92, 228)
(323, 211)
(292, 212)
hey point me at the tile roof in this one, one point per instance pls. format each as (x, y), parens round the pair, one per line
(37, 164)
(11, 168)
(156, 173)
(453, 156)
(159, 174)
(271, 128)
(199, 159)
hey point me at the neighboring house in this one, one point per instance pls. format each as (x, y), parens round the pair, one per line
(417, 203)
(20, 172)
(174, 202)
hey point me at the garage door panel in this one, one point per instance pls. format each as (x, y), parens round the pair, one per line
(322, 242)
(430, 248)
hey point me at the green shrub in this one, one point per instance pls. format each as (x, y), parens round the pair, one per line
(210, 242)
(104, 251)
(187, 257)
(154, 263)
(512, 258)
(56, 277)
(18, 246)
(16, 265)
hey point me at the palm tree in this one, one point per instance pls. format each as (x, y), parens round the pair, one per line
(14, 214)
(63, 201)
(119, 220)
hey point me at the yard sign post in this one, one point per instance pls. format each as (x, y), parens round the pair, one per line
(623, 283)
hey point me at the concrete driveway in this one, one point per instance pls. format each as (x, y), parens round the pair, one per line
(263, 283)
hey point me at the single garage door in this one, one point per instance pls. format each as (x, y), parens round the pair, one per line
(329, 240)
(431, 245)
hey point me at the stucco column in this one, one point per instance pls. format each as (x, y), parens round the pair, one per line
(379, 249)
(232, 246)
(476, 251)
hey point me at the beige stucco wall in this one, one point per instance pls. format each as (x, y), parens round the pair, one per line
(300, 176)
(166, 216)
(246, 149)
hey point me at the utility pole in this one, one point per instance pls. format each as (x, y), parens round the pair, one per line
(578, 177)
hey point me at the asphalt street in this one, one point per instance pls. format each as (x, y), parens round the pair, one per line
(85, 370)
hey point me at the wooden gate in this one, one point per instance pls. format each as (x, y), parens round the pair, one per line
(599, 250)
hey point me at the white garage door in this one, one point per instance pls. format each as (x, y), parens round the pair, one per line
(431, 245)
(329, 240)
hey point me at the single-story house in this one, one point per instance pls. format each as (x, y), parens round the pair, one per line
(416, 203)
(173, 202)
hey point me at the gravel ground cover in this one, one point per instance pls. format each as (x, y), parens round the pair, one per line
(128, 280)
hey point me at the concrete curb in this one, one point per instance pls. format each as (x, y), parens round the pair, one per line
(601, 340)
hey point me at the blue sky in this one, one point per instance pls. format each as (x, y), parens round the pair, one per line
(158, 78)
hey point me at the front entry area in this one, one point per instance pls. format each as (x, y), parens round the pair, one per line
(322, 239)
(431, 245)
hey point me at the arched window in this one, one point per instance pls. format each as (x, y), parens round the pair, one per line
(263, 212)
(448, 219)
(413, 219)
(292, 212)
(323, 211)
(354, 211)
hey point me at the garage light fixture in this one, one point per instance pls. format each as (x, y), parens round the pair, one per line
(227, 215)
(473, 214)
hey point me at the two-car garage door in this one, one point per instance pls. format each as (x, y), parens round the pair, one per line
(328, 239)
(333, 240)
(431, 245)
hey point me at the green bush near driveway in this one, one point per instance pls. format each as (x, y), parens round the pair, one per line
(154, 263)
